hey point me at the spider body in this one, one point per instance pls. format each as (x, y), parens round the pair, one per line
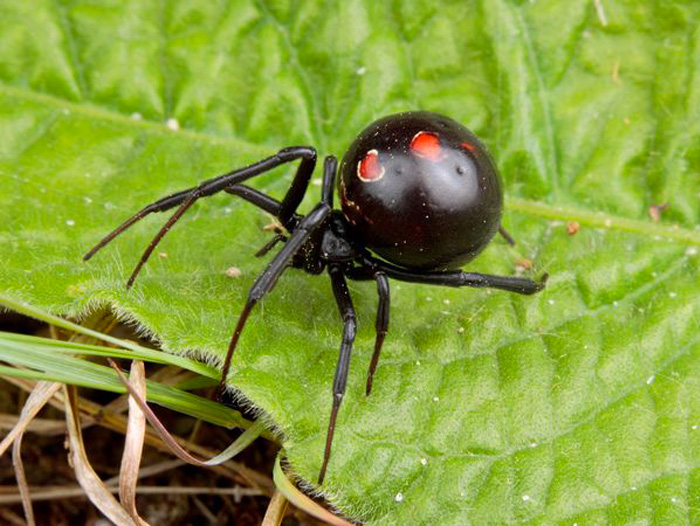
(421, 191)
(417, 189)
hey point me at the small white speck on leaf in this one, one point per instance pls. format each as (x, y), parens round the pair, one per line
(651, 379)
(173, 124)
(550, 301)
(526, 498)
(428, 298)
(633, 488)
(446, 301)
(399, 497)
(674, 500)
(317, 181)
(694, 427)
(692, 251)
(361, 70)
(70, 222)
(417, 362)
(424, 461)
(163, 254)
(608, 223)
(87, 200)
(533, 444)
(460, 330)
(136, 116)
(436, 398)
(233, 272)
(672, 294)
(615, 303)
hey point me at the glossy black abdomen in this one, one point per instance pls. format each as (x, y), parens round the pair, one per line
(421, 191)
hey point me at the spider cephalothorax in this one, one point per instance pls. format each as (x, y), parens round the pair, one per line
(417, 189)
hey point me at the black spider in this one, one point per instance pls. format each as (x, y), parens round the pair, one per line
(417, 189)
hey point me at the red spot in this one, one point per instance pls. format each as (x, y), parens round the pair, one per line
(427, 144)
(370, 169)
(468, 146)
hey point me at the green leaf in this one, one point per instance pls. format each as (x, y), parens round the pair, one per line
(578, 405)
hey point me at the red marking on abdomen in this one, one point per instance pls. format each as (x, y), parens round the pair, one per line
(427, 144)
(468, 146)
(370, 169)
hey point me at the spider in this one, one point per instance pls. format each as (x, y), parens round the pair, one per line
(420, 196)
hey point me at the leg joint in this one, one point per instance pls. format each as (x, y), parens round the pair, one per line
(350, 328)
(297, 152)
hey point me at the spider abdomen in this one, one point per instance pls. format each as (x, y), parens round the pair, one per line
(421, 191)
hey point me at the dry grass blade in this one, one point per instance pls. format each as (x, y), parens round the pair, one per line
(21, 478)
(95, 489)
(133, 445)
(149, 471)
(275, 510)
(40, 395)
(238, 445)
(11, 518)
(77, 492)
(41, 426)
(38, 398)
(94, 412)
(301, 501)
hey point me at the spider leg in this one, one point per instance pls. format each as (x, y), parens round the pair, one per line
(505, 235)
(266, 281)
(381, 324)
(330, 165)
(458, 278)
(365, 273)
(347, 313)
(300, 234)
(270, 244)
(259, 199)
(186, 198)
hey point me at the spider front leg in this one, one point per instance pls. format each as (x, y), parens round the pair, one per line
(300, 233)
(347, 313)
(186, 198)
(267, 280)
